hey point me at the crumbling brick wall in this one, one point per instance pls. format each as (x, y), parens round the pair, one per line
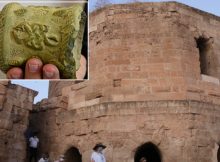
(15, 104)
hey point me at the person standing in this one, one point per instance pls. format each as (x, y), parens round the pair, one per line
(97, 155)
(33, 147)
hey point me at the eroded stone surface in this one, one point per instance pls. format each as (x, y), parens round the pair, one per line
(15, 104)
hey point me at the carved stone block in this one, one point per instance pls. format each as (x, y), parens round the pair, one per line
(52, 34)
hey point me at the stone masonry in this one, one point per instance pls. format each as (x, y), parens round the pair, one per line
(154, 77)
(15, 105)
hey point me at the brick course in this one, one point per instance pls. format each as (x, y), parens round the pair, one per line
(145, 85)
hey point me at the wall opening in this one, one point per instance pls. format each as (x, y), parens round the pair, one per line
(73, 155)
(206, 57)
(149, 151)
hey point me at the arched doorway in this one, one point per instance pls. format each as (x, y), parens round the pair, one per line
(73, 155)
(148, 150)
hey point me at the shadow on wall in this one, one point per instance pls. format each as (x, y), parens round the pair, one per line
(206, 55)
(73, 155)
(149, 151)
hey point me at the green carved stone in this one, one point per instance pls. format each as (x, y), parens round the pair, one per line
(52, 34)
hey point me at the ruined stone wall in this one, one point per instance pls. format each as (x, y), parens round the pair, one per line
(183, 130)
(15, 104)
(44, 119)
(145, 85)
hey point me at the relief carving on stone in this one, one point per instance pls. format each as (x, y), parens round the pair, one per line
(34, 35)
(53, 34)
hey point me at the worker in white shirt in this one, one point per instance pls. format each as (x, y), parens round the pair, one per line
(33, 146)
(97, 155)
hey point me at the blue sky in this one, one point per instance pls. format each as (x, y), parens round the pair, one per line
(38, 85)
(211, 6)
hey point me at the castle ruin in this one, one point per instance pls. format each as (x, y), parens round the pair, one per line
(154, 89)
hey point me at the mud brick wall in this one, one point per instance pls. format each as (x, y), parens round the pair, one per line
(15, 104)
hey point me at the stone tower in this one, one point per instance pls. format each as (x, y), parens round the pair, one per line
(153, 90)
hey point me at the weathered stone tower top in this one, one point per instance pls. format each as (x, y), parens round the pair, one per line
(153, 51)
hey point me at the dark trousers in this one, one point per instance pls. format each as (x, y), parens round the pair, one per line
(33, 154)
